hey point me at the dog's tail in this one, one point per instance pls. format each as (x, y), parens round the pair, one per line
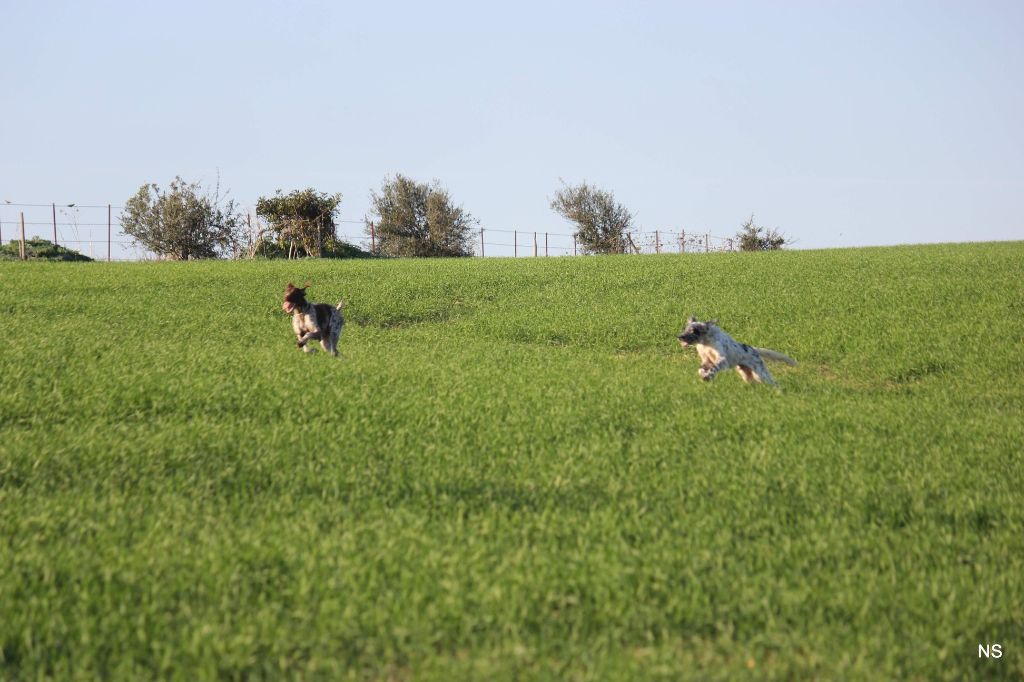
(770, 354)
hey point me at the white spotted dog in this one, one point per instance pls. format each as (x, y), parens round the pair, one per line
(717, 351)
(313, 321)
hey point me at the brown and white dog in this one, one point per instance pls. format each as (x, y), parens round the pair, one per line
(313, 321)
(718, 351)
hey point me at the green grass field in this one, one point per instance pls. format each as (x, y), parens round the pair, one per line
(514, 471)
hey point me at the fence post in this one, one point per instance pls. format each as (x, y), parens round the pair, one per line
(515, 244)
(657, 242)
(373, 238)
(574, 245)
(54, 206)
(21, 250)
(545, 244)
(707, 242)
(682, 241)
(481, 242)
(534, 244)
(108, 232)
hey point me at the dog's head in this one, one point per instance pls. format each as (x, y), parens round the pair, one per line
(294, 297)
(695, 331)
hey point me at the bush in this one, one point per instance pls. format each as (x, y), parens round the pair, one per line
(419, 219)
(40, 249)
(753, 237)
(183, 223)
(601, 222)
(301, 222)
(266, 247)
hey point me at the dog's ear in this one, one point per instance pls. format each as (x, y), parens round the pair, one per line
(289, 287)
(692, 319)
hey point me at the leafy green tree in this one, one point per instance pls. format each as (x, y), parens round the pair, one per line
(413, 218)
(752, 237)
(303, 219)
(186, 222)
(601, 222)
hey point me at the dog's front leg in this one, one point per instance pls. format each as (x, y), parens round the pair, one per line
(708, 370)
(303, 341)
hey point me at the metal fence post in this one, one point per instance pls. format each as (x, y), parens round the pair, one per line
(481, 242)
(515, 244)
(54, 206)
(21, 250)
(534, 244)
(108, 232)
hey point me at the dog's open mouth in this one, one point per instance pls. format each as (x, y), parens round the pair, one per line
(288, 306)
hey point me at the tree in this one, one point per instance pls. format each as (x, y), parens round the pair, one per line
(418, 219)
(601, 222)
(183, 223)
(753, 237)
(303, 219)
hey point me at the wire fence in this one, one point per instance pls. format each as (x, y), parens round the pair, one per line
(534, 243)
(95, 230)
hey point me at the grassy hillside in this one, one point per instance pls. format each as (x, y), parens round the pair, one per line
(514, 470)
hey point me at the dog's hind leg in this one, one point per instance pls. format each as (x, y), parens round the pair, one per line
(330, 341)
(745, 373)
(759, 372)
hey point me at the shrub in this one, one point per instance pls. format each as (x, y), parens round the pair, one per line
(601, 222)
(753, 237)
(183, 223)
(419, 219)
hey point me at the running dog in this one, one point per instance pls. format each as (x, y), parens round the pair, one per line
(717, 351)
(312, 321)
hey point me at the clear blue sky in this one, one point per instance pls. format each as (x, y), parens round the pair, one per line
(852, 123)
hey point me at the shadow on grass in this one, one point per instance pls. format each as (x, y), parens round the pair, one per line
(402, 320)
(472, 498)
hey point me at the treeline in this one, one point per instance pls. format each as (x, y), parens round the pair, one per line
(407, 219)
